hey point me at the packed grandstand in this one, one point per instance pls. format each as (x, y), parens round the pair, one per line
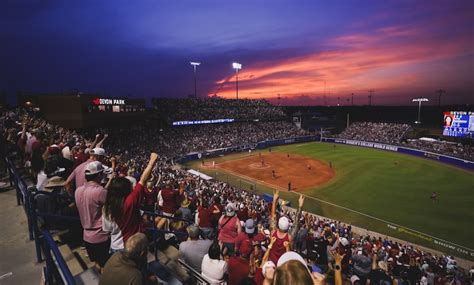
(224, 234)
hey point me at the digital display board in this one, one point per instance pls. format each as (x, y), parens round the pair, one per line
(199, 122)
(458, 124)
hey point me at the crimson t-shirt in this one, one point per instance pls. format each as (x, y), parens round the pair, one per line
(259, 278)
(131, 221)
(238, 270)
(149, 196)
(204, 217)
(171, 200)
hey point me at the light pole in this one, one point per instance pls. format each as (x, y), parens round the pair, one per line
(237, 66)
(419, 100)
(195, 64)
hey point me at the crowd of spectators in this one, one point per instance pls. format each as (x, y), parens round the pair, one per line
(176, 141)
(390, 133)
(215, 108)
(231, 236)
(442, 147)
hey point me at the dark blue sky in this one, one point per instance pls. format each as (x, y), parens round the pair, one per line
(303, 50)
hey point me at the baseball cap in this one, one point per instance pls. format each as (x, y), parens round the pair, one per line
(290, 255)
(98, 151)
(249, 226)
(266, 265)
(229, 210)
(354, 279)
(94, 167)
(245, 247)
(283, 224)
(343, 241)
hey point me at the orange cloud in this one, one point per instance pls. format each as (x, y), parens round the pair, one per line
(391, 58)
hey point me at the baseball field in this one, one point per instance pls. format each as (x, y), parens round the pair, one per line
(378, 190)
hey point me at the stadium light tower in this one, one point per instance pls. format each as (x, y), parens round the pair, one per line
(195, 64)
(237, 66)
(419, 100)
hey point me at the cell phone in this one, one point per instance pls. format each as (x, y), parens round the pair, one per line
(315, 268)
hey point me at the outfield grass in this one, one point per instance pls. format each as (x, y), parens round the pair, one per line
(390, 186)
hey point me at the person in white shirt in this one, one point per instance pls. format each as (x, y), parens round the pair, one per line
(213, 266)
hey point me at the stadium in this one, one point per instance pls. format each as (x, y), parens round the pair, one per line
(368, 186)
(216, 143)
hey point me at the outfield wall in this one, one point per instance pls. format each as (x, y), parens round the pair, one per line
(466, 164)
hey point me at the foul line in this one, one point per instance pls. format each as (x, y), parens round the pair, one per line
(382, 220)
(342, 207)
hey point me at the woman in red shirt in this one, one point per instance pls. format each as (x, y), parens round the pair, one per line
(229, 229)
(122, 202)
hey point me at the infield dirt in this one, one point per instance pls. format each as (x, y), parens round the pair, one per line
(303, 172)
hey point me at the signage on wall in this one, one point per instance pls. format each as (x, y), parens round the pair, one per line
(103, 101)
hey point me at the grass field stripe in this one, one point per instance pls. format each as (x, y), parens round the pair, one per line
(381, 220)
(332, 204)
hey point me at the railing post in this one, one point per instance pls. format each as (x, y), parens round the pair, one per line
(36, 231)
(27, 200)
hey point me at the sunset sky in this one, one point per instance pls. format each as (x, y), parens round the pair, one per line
(309, 52)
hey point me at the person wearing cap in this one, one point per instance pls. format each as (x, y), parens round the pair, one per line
(284, 238)
(229, 228)
(194, 249)
(379, 272)
(78, 174)
(362, 265)
(247, 234)
(239, 265)
(187, 214)
(265, 268)
(53, 183)
(89, 200)
(293, 269)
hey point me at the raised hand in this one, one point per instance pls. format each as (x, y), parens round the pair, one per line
(276, 194)
(301, 201)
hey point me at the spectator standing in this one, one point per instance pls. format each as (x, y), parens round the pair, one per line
(379, 274)
(362, 265)
(90, 198)
(96, 154)
(230, 228)
(239, 265)
(283, 237)
(122, 205)
(170, 199)
(203, 219)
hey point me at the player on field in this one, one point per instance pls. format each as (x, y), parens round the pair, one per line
(273, 174)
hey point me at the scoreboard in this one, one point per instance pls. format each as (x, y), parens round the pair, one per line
(459, 124)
